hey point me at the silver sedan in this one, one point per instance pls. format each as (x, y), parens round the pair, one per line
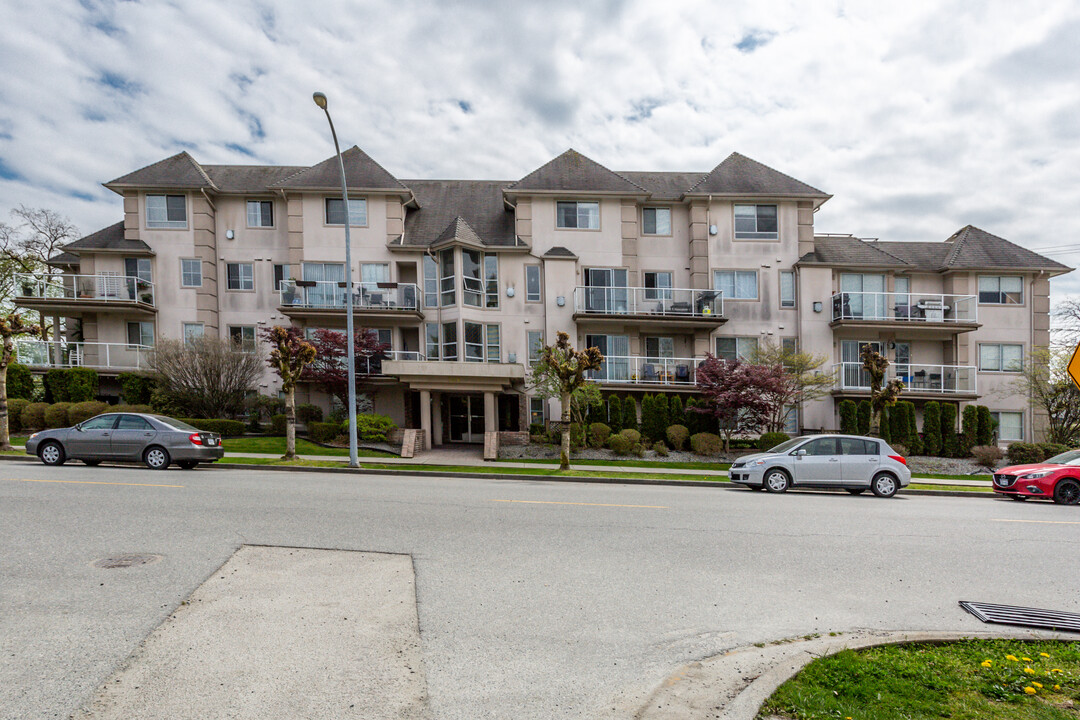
(155, 440)
(848, 462)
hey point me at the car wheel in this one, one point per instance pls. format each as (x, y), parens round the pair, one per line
(52, 453)
(1021, 498)
(777, 481)
(156, 458)
(1067, 492)
(92, 463)
(884, 485)
(187, 464)
(856, 491)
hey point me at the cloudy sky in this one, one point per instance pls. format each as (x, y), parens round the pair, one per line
(919, 117)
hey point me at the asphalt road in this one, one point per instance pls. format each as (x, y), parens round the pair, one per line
(535, 599)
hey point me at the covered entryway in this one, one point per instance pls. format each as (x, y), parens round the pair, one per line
(466, 418)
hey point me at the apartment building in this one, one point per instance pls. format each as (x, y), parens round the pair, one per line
(466, 279)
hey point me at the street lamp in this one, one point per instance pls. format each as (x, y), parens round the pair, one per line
(320, 100)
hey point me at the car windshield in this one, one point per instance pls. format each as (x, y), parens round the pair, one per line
(175, 424)
(1066, 458)
(785, 446)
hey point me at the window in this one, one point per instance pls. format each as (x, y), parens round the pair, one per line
(736, 284)
(132, 422)
(432, 342)
(335, 212)
(326, 277)
(1001, 358)
(474, 342)
(494, 349)
(140, 333)
(657, 286)
(166, 211)
(102, 422)
(736, 348)
(858, 446)
(472, 286)
(659, 348)
(536, 411)
(240, 276)
(534, 339)
(192, 332)
(374, 273)
(281, 273)
(431, 282)
(578, 216)
(791, 421)
(1010, 425)
(789, 345)
(756, 222)
(449, 334)
(446, 260)
(787, 289)
(1003, 290)
(656, 221)
(821, 446)
(138, 268)
(491, 280)
(190, 272)
(260, 213)
(243, 336)
(607, 290)
(533, 292)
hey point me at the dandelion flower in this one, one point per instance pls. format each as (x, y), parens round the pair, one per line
(1030, 690)
(1057, 687)
(986, 663)
(1044, 654)
(1012, 657)
(1027, 659)
(1057, 670)
(1029, 671)
(1038, 685)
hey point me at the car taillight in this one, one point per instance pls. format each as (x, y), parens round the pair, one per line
(195, 439)
(898, 458)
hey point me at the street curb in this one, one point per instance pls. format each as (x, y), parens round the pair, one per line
(695, 690)
(718, 484)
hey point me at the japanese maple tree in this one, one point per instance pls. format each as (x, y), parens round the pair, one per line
(329, 370)
(741, 395)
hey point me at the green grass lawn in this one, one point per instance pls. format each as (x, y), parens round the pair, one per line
(276, 446)
(628, 463)
(966, 680)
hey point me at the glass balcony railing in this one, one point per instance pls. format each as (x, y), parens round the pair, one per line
(98, 288)
(328, 294)
(62, 354)
(918, 378)
(675, 303)
(905, 307)
(646, 370)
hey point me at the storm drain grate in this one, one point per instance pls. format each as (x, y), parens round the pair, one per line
(1028, 617)
(125, 561)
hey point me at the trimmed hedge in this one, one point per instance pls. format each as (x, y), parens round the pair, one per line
(654, 417)
(914, 442)
(629, 415)
(619, 444)
(898, 425)
(224, 428)
(145, 409)
(598, 434)
(1022, 453)
(949, 445)
(676, 413)
(614, 413)
(373, 428)
(770, 440)
(931, 428)
(308, 413)
(15, 410)
(71, 385)
(677, 435)
(80, 412)
(277, 425)
(849, 420)
(20, 383)
(885, 425)
(970, 429)
(706, 444)
(984, 435)
(33, 416)
(57, 415)
(862, 418)
(632, 435)
(1049, 449)
(323, 432)
(136, 388)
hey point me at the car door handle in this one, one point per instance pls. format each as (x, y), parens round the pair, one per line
(873, 459)
(105, 434)
(834, 459)
(148, 434)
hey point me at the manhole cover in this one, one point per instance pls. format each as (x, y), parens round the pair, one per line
(125, 561)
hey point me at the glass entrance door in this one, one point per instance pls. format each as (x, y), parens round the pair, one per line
(466, 419)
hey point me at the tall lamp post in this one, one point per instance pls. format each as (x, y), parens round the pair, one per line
(320, 100)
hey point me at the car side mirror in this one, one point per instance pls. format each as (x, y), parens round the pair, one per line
(79, 427)
(800, 452)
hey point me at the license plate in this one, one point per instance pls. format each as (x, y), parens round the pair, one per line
(211, 441)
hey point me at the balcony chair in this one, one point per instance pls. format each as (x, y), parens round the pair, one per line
(682, 373)
(935, 381)
(920, 379)
(649, 374)
(705, 299)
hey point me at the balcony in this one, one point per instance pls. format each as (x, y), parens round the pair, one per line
(374, 365)
(326, 298)
(921, 381)
(953, 313)
(104, 357)
(78, 293)
(650, 306)
(632, 371)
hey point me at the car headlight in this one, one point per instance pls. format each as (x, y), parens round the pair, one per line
(1037, 475)
(758, 462)
(34, 436)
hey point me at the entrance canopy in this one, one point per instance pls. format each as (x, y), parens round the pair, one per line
(456, 377)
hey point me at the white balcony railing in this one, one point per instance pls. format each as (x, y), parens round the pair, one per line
(905, 307)
(328, 294)
(646, 370)
(944, 379)
(368, 365)
(100, 288)
(102, 356)
(671, 302)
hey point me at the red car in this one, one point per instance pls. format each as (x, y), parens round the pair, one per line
(1057, 479)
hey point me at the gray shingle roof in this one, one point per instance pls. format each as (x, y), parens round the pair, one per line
(178, 171)
(479, 203)
(109, 238)
(459, 230)
(249, 178)
(63, 259)
(850, 251)
(739, 175)
(975, 248)
(361, 173)
(559, 252)
(664, 185)
(573, 172)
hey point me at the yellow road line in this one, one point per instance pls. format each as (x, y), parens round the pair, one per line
(1041, 522)
(554, 502)
(93, 482)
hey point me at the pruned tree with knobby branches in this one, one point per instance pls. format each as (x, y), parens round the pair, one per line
(290, 353)
(11, 326)
(560, 371)
(882, 394)
(206, 377)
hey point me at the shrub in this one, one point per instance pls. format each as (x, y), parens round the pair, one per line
(985, 433)
(862, 415)
(534, 429)
(900, 449)
(770, 440)
(629, 415)
(950, 447)
(308, 413)
(224, 428)
(706, 444)
(20, 383)
(849, 422)
(277, 424)
(577, 435)
(80, 412)
(969, 429)
(56, 415)
(134, 409)
(136, 388)
(82, 385)
(598, 434)
(987, 455)
(56, 385)
(914, 442)
(323, 432)
(374, 428)
(898, 424)
(632, 435)
(677, 435)
(619, 444)
(638, 449)
(1049, 450)
(15, 410)
(931, 428)
(676, 413)
(33, 416)
(1022, 453)
(614, 413)
(660, 448)
(659, 419)
(885, 426)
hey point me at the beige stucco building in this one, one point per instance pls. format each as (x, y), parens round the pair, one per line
(464, 279)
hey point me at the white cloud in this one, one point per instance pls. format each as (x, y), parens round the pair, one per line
(918, 117)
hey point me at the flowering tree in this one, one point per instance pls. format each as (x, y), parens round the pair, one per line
(289, 355)
(560, 372)
(741, 395)
(11, 326)
(329, 369)
(882, 395)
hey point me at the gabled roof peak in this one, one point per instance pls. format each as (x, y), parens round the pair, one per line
(178, 171)
(573, 172)
(361, 173)
(460, 231)
(740, 175)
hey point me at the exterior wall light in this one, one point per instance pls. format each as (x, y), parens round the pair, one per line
(510, 292)
(560, 301)
(817, 306)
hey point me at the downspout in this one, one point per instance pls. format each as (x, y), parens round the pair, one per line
(217, 269)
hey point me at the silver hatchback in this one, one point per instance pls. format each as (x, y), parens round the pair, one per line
(847, 462)
(155, 440)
